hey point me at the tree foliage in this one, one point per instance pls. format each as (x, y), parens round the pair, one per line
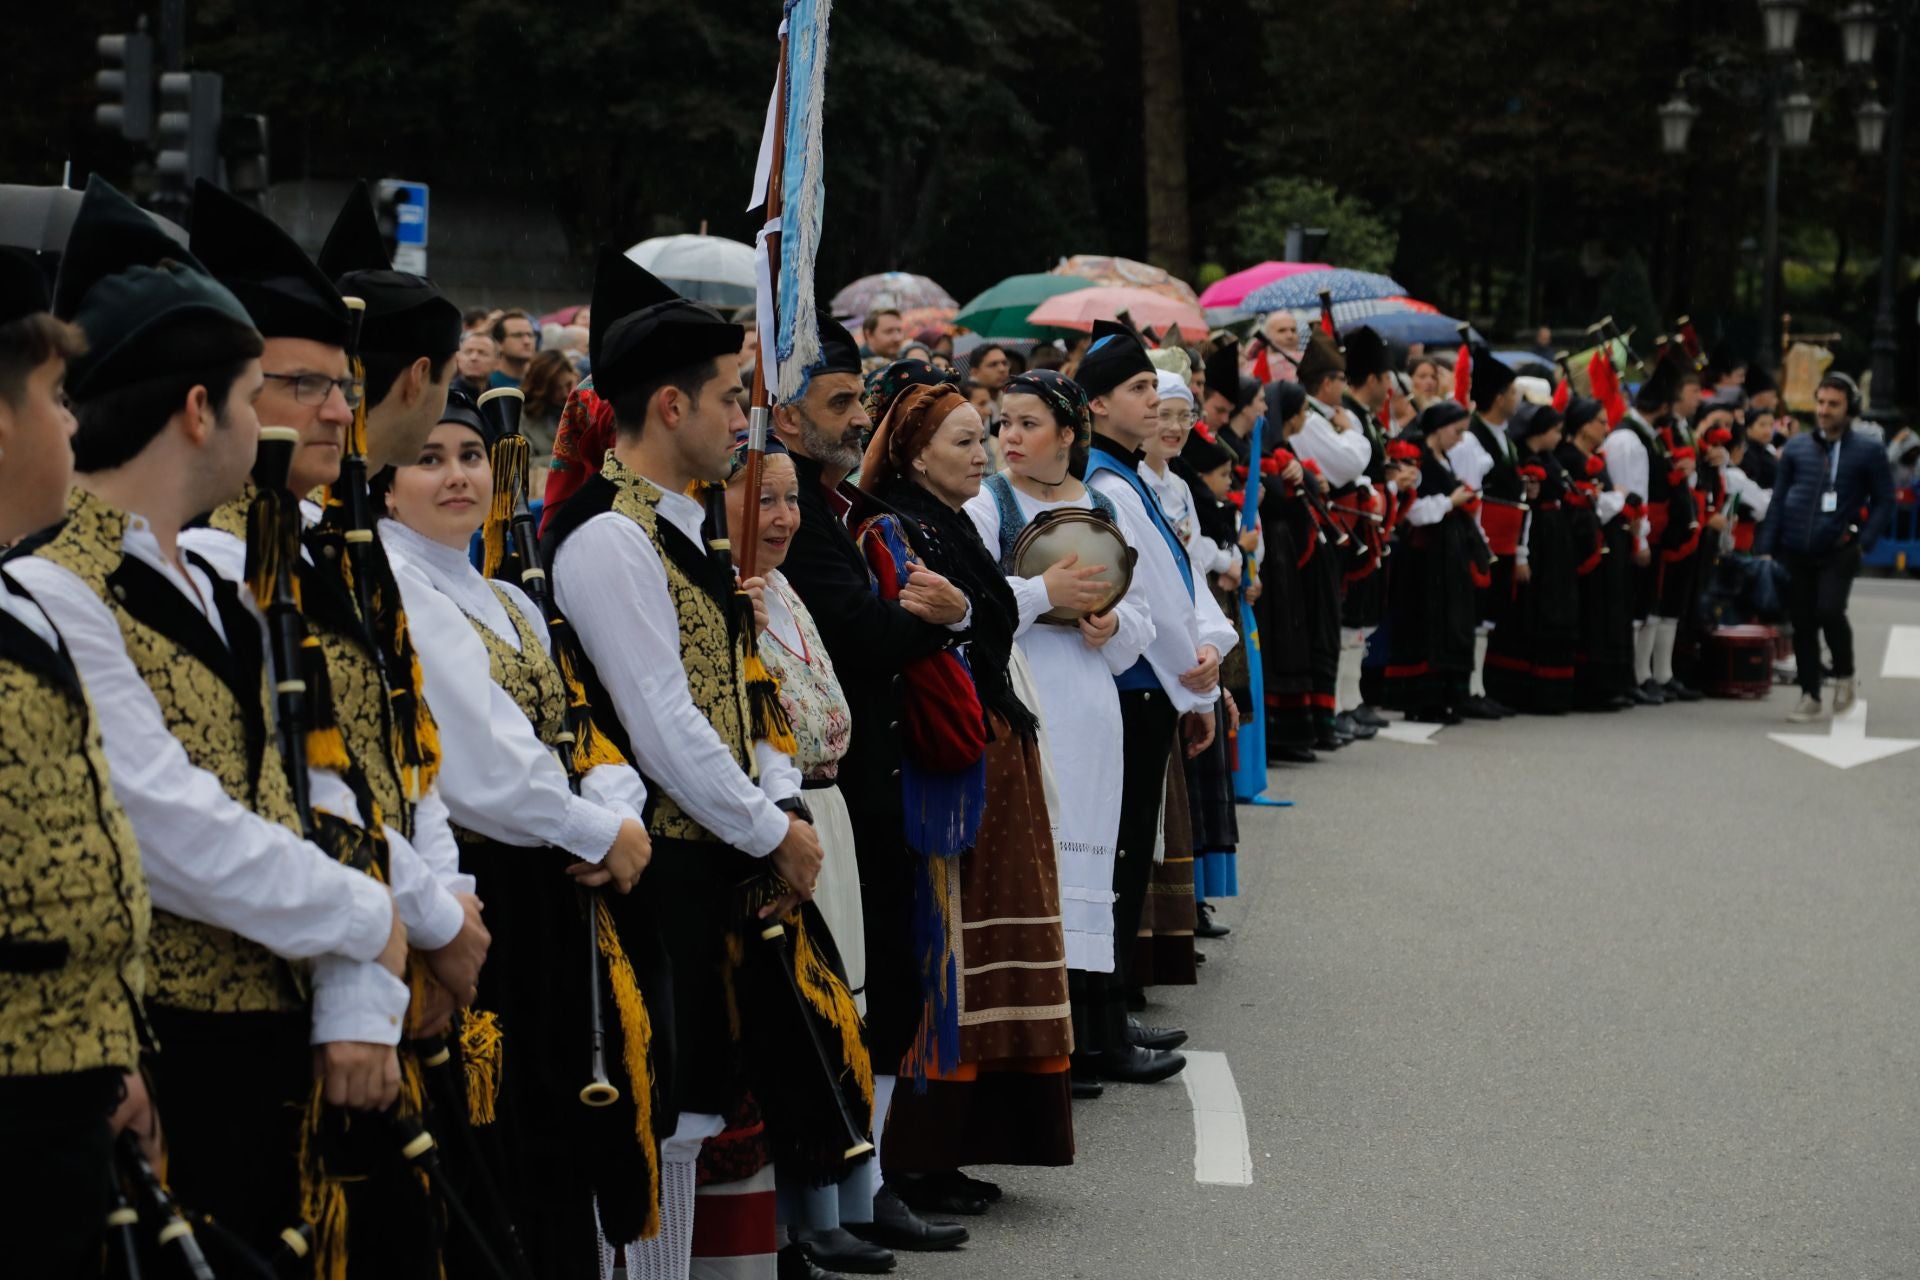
(1358, 237)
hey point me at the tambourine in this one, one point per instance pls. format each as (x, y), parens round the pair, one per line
(1055, 535)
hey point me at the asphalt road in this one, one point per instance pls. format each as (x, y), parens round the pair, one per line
(1609, 996)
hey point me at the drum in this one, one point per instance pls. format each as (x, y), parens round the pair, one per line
(1739, 662)
(1055, 535)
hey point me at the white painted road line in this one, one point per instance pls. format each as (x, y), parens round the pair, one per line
(1221, 1156)
(1903, 654)
(1846, 744)
(1406, 731)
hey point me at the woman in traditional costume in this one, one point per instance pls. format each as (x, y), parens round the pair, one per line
(533, 842)
(1044, 437)
(1440, 561)
(989, 1067)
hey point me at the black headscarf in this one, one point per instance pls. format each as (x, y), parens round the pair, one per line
(951, 547)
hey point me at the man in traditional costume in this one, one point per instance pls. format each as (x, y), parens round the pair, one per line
(168, 427)
(1332, 446)
(1362, 508)
(75, 920)
(1641, 463)
(1487, 460)
(373, 751)
(665, 652)
(1604, 533)
(1173, 686)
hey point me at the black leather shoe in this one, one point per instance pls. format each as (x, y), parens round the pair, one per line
(840, 1250)
(793, 1263)
(930, 1193)
(1677, 692)
(1619, 702)
(899, 1228)
(1204, 926)
(1134, 1065)
(1499, 708)
(1086, 1090)
(1432, 715)
(1348, 725)
(1154, 1037)
(1328, 740)
(1290, 755)
(1649, 694)
(1366, 714)
(978, 1188)
(1477, 709)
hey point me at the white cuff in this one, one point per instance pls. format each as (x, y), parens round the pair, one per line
(588, 830)
(769, 829)
(373, 919)
(964, 622)
(356, 1001)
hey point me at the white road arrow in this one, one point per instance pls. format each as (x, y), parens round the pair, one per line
(1903, 654)
(1846, 744)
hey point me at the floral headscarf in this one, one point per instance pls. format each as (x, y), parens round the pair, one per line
(1062, 396)
(884, 385)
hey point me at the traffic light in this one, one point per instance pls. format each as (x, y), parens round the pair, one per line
(243, 145)
(125, 85)
(189, 128)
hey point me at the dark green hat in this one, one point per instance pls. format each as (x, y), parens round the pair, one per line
(147, 306)
(621, 287)
(285, 293)
(407, 315)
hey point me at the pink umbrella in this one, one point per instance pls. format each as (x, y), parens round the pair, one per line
(1230, 291)
(1079, 309)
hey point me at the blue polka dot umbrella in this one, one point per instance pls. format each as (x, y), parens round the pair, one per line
(1300, 292)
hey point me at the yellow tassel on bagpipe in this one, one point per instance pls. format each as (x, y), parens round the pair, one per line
(829, 997)
(636, 1037)
(511, 458)
(483, 1050)
(769, 718)
(323, 1200)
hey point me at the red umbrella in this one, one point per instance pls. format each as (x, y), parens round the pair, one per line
(1146, 309)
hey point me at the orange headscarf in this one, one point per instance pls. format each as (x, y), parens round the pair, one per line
(910, 424)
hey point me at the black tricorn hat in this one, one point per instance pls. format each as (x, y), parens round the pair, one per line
(406, 314)
(1115, 355)
(1366, 353)
(23, 290)
(287, 295)
(621, 287)
(147, 305)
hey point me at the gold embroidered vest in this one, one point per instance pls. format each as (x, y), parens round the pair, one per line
(192, 965)
(74, 915)
(528, 674)
(711, 657)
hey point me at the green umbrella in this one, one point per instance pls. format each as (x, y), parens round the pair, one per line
(1001, 312)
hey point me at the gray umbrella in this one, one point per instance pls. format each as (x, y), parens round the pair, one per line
(39, 219)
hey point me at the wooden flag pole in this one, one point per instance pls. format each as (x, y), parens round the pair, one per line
(759, 410)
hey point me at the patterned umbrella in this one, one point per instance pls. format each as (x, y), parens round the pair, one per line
(1147, 309)
(900, 290)
(1231, 291)
(1125, 273)
(1302, 291)
(1002, 311)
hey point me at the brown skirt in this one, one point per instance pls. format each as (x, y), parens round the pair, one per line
(1010, 1100)
(1163, 953)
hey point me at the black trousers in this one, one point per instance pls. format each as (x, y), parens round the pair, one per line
(1817, 591)
(56, 1178)
(1147, 723)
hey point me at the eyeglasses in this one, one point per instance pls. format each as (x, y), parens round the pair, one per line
(518, 333)
(314, 388)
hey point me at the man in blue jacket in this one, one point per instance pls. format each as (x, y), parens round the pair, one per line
(1832, 498)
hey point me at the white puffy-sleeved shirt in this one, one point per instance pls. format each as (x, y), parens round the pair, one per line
(425, 869)
(1628, 463)
(206, 856)
(1183, 619)
(609, 582)
(1342, 456)
(1754, 500)
(1176, 499)
(496, 776)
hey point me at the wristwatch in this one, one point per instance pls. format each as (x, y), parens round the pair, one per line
(794, 806)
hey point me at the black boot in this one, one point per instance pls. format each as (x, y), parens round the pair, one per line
(1203, 926)
(935, 1193)
(795, 1263)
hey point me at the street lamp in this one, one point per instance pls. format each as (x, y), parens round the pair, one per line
(1871, 120)
(1796, 120)
(1859, 27)
(1676, 123)
(1782, 22)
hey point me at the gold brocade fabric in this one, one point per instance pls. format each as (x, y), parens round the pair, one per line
(712, 658)
(528, 675)
(71, 876)
(231, 517)
(192, 965)
(359, 704)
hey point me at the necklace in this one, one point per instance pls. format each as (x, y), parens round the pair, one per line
(1047, 490)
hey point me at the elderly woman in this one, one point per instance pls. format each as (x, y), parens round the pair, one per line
(1045, 437)
(528, 837)
(822, 728)
(997, 1031)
